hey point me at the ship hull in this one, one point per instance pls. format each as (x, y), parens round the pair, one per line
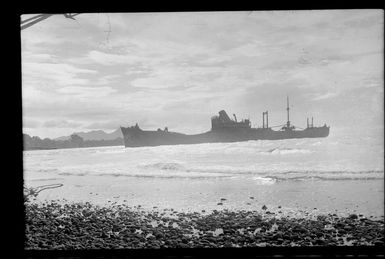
(134, 137)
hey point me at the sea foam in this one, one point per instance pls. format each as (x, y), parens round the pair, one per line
(281, 160)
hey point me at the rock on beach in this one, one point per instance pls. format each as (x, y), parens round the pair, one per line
(85, 226)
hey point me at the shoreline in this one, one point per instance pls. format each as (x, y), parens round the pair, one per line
(182, 194)
(53, 225)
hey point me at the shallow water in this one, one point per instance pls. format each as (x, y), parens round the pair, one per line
(334, 174)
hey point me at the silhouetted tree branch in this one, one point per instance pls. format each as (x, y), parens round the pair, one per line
(38, 18)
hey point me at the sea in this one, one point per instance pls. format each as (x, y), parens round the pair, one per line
(341, 174)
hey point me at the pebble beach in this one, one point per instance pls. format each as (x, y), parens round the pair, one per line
(58, 225)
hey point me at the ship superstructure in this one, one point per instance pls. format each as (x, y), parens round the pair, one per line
(223, 129)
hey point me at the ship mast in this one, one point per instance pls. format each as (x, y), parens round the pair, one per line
(288, 118)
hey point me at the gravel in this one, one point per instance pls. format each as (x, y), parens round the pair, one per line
(53, 225)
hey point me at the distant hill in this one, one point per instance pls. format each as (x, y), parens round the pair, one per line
(62, 138)
(74, 141)
(96, 135)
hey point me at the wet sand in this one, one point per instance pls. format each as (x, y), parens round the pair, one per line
(193, 195)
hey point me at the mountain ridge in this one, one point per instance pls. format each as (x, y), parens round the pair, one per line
(95, 135)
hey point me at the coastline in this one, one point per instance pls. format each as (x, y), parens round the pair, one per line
(53, 225)
(193, 195)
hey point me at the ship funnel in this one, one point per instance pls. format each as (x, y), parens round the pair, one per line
(263, 119)
(288, 109)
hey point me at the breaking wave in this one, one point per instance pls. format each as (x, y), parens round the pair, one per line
(181, 170)
(328, 175)
(269, 161)
(284, 151)
(163, 166)
(177, 170)
(251, 147)
(253, 169)
(45, 179)
(49, 170)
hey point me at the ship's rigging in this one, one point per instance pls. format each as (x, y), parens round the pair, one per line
(287, 125)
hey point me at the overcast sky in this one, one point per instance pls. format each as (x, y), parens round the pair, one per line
(178, 69)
